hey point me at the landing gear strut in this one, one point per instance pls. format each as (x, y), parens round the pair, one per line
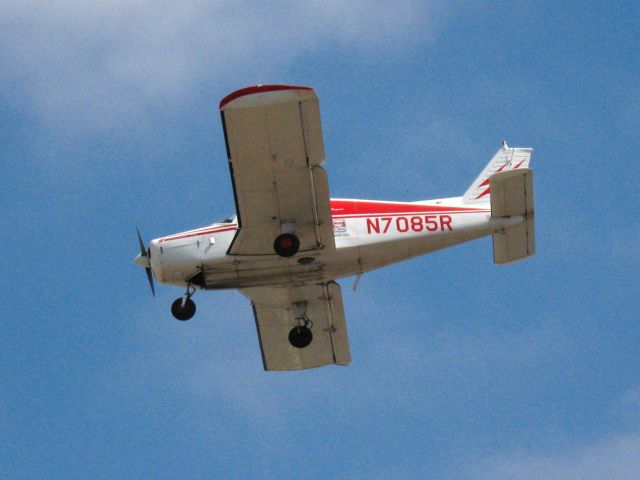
(184, 308)
(300, 336)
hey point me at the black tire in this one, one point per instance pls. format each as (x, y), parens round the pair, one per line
(300, 337)
(185, 313)
(286, 245)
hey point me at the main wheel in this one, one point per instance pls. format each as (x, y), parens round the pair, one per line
(300, 337)
(183, 313)
(286, 245)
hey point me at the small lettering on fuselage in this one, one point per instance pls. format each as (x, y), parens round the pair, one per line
(416, 224)
(340, 228)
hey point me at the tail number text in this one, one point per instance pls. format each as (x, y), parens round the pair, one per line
(430, 223)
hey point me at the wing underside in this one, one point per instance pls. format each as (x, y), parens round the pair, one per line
(274, 145)
(278, 310)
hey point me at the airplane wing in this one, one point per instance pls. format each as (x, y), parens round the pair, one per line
(274, 146)
(279, 310)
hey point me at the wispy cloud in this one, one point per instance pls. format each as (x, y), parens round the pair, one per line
(617, 457)
(98, 65)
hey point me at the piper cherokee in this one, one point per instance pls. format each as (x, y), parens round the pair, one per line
(289, 241)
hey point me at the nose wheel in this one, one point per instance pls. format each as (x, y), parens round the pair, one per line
(184, 308)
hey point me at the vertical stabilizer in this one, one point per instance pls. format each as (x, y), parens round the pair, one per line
(505, 159)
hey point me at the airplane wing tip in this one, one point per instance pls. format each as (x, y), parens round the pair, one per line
(259, 88)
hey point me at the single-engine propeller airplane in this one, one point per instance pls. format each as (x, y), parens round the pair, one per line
(288, 241)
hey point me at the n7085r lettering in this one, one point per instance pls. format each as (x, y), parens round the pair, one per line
(430, 223)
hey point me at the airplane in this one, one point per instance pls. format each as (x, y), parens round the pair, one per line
(289, 242)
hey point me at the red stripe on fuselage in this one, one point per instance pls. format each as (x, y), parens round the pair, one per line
(198, 233)
(406, 214)
(360, 208)
(350, 209)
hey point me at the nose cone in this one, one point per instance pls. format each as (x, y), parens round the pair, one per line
(155, 253)
(142, 261)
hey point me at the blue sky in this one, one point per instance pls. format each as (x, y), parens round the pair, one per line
(461, 369)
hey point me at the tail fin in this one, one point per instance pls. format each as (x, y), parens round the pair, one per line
(504, 160)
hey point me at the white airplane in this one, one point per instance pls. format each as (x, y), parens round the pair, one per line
(289, 242)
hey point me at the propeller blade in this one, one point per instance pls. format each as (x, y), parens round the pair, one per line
(145, 253)
(150, 277)
(143, 250)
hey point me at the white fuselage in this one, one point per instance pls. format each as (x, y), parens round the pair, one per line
(368, 235)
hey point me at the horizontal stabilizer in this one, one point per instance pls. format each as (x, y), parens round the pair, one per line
(512, 197)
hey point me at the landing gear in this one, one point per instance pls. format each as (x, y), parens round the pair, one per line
(300, 336)
(183, 312)
(286, 245)
(184, 308)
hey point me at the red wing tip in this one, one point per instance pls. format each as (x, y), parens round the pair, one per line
(257, 89)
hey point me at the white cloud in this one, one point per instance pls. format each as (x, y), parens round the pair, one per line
(101, 64)
(616, 456)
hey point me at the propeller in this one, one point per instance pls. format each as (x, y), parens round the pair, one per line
(143, 260)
